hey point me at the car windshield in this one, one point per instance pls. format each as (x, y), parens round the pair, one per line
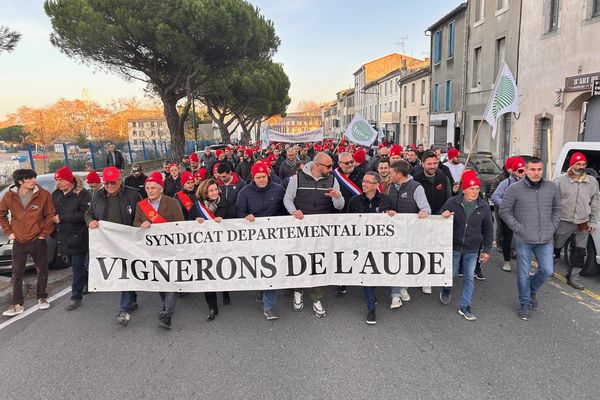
(484, 166)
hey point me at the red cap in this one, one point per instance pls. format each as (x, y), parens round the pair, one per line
(271, 157)
(469, 179)
(218, 153)
(194, 157)
(215, 167)
(249, 153)
(341, 149)
(453, 153)
(201, 173)
(413, 146)
(111, 174)
(267, 164)
(396, 150)
(259, 168)
(577, 157)
(64, 173)
(186, 176)
(359, 156)
(508, 163)
(517, 163)
(155, 177)
(92, 177)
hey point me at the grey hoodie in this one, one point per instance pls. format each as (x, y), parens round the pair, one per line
(290, 193)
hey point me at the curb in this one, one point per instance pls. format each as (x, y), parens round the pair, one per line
(57, 280)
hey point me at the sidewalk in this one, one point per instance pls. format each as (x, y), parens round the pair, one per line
(58, 279)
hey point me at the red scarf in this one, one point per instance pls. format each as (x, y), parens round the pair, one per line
(150, 213)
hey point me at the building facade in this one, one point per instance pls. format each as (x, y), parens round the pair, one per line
(493, 39)
(389, 104)
(147, 129)
(447, 77)
(558, 62)
(414, 110)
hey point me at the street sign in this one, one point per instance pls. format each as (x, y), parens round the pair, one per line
(596, 88)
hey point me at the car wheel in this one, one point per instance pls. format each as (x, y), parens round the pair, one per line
(590, 267)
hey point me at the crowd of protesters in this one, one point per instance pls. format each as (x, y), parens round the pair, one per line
(540, 216)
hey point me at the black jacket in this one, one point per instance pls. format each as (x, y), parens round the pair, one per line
(437, 192)
(224, 210)
(129, 197)
(192, 196)
(469, 235)
(137, 183)
(361, 204)
(244, 170)
(172, 186)
(261, 202)
(119, 160)
(71, 233)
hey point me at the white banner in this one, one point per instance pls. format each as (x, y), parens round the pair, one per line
(359, 131)
(273, 253)
(269, 135)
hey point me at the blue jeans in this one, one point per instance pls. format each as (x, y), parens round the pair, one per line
(128, 299)
(80, 275)
(395, 291)
(544, 255)
(269, 297)
(469, 261)
(370, 297)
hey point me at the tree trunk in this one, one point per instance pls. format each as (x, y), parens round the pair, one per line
(175, 127)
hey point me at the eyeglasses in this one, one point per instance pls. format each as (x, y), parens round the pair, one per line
(520, 171)
(369, 182)
(347, 162)
(110, 183)
(328, 166)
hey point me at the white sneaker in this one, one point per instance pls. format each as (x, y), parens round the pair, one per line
(13, 310)
(396, 303)
(319, 309)
(298, 302)
(404, 294)
(426, 289)
(43, 303)
(506, 267)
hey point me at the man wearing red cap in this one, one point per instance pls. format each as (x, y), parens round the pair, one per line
(93, 181)
(115, 203)
(172, 183)
(244, 168)
(507, 234)
(156, 209)
(71, 201)
(396, 152)
(454, 164)
(579, 213)
(31, 210)
(194, 162)
(531, 209)
(472, 229)
(360, 156)
(506, 172)
(261, 198)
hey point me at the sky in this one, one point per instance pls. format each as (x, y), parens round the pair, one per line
(323, 42)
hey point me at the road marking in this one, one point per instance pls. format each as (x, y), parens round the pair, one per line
(588, 292)
(33, 309)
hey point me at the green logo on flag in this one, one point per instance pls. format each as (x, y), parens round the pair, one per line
(362, 131)
(504, 97)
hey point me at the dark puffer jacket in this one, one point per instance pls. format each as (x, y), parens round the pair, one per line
(468, 235)
(71, 233)
(261, 202)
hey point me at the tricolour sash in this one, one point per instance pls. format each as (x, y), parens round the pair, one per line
(346, 182)
(151, 213)
(204, 211)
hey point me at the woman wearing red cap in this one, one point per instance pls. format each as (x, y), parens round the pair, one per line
(261, 198)
(187, 195)
(216, 207)
(472, 228)
(172, 183)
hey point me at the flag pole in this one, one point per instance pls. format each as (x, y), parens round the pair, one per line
(471, 150)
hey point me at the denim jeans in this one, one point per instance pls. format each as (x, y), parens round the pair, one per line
(395, 291)
(544, 253)
(128, 299)
(269, 297)
(469, 261)
(370, 297)
(80, 275)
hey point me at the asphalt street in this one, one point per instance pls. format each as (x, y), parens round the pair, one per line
(424, 350)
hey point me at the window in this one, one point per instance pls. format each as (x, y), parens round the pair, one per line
(595, 8)
(412, 93)
(500, 54)
(448, 100)
(435, 97)
(396, 86)
(404, 96)
(386, 85)
(451, 33)
(553, 16)
(423, 92)
(396, 106)
(479, 8)
(477, 64)
(437, 47)
(501, 4)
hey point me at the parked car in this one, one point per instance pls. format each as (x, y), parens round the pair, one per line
(215, 147)
(591, 150)
(47, 182)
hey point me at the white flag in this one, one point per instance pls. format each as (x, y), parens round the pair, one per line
(360, 131)
(264, 137)
(504, 98)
